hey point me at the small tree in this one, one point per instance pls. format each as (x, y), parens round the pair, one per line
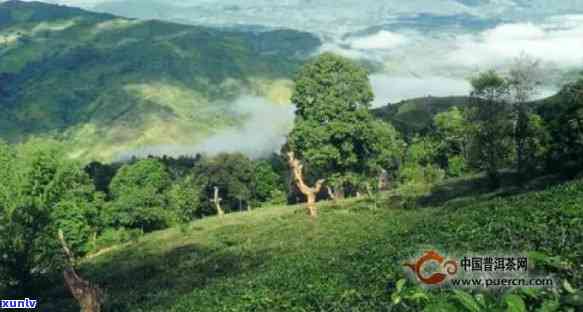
(453, 134)
(490, 116)
(140, 196)
(270, 186)
(184, 198)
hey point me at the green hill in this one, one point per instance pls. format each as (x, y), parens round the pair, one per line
(108, 84)
(416, 115)
(349, 259)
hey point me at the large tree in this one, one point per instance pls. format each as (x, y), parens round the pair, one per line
(490, 116)
(334, 135)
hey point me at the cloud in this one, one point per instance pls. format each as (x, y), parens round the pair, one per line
(263, 132)
(554, 41)
(383, 40)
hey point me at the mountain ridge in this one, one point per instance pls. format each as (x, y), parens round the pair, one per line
(107, 84)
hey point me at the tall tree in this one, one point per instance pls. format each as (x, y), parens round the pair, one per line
(334, 134)
(490, 116)
(524, 80)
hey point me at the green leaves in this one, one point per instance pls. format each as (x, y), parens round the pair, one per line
(233, 174)
(140, 196)
(334, 133)
(467, 300)
(514, 303)
(41, 192)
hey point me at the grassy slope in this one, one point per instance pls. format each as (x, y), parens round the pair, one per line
(109, 84)
(278, 260)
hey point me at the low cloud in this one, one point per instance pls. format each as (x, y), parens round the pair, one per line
(557, 41)
(383, 40)
(263, 132)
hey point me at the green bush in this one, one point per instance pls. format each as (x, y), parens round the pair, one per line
(456, 166)
(140, 197)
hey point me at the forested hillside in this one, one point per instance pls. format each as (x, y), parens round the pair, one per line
(472, 185)
(107, 84)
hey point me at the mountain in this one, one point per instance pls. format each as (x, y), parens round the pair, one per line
(109, 85)
(415, 116)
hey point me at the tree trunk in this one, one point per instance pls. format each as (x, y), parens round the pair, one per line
(217, 201)
(89, 296)
(309, 192)
(331, 193)
(339, 192)
(311, 205)
(383, 180)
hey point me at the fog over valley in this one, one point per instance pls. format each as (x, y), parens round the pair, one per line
(415, 48)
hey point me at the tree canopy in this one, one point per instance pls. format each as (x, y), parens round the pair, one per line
(334, 132)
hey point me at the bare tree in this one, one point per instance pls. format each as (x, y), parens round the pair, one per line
(90, 297)
(383, 180)
(309, 192)
(217, 201)
(331, 193)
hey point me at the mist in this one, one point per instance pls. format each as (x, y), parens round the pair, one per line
(262, 133)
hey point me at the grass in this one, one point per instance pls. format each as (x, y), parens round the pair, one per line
(349, 259)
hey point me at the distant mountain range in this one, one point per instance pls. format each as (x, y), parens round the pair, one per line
(109, 85)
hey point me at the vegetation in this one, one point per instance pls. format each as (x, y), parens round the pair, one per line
(415, 116)
(563, 115)
(40, 193)
(349, 258)
(152, 83)
(334, 133)
(144, 230)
